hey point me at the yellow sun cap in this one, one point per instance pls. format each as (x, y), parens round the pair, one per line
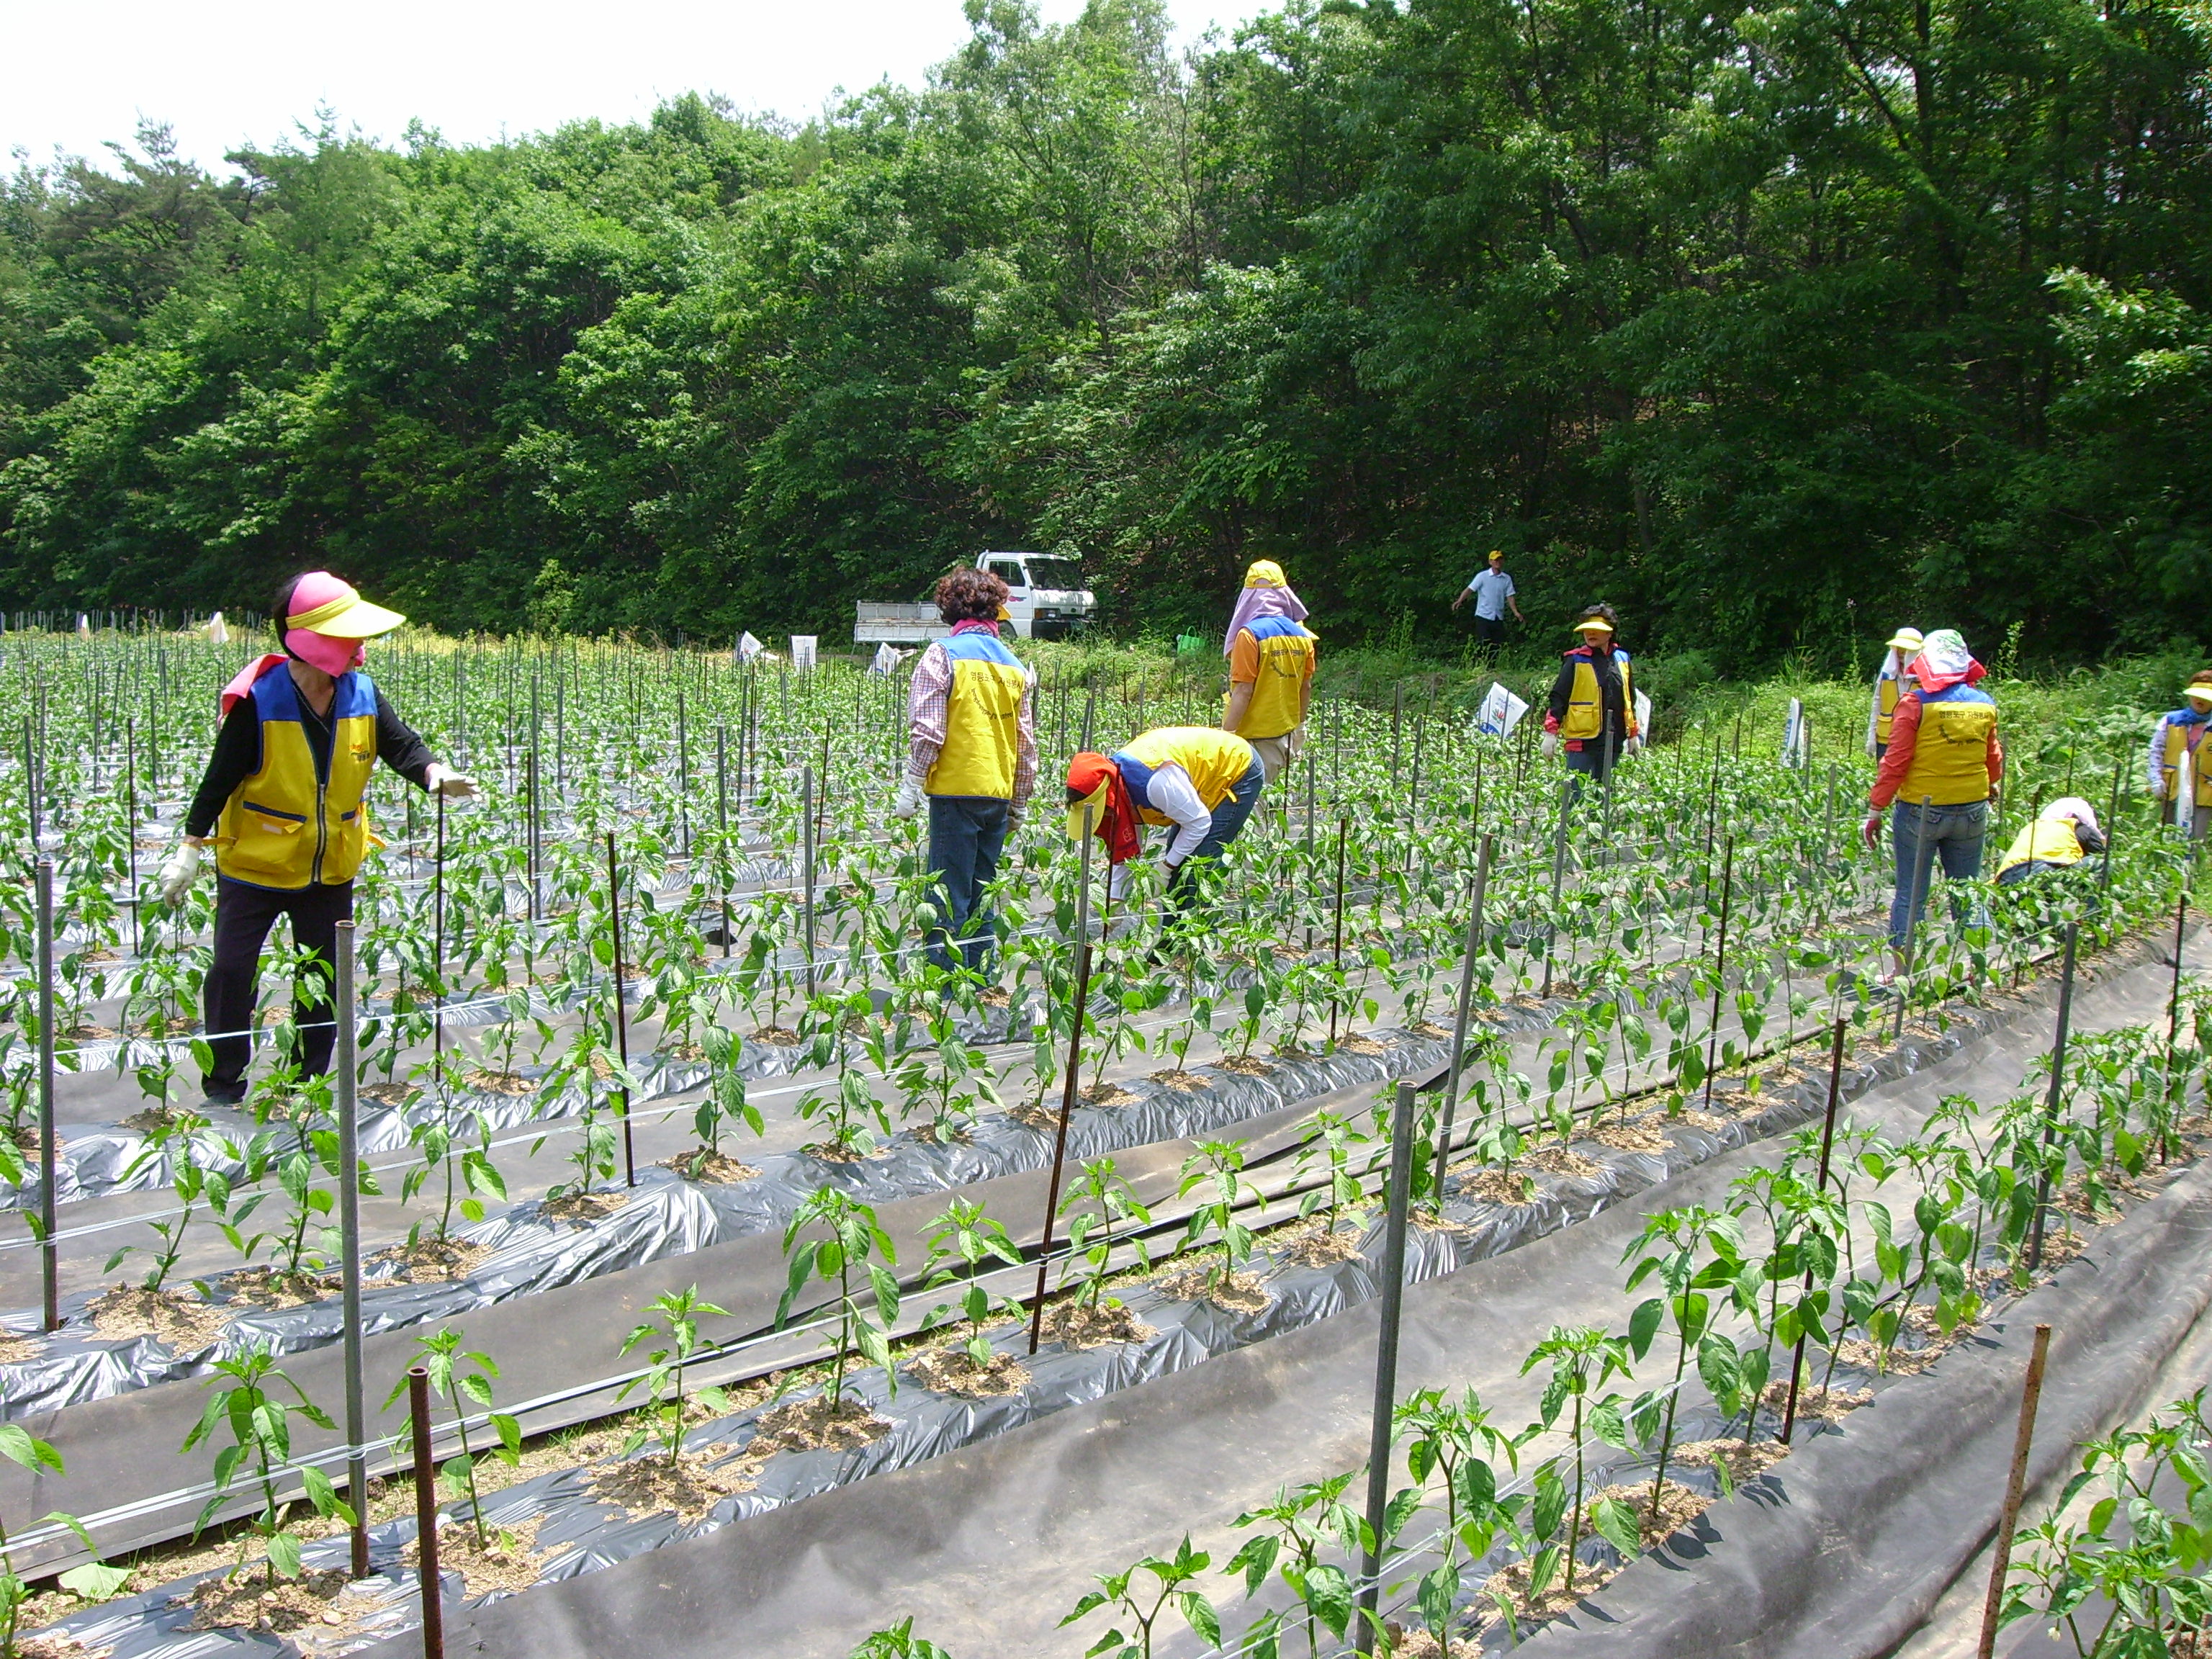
(1593, 625)
(1085, 816)
(1906, 639)
(2197, 693)
(1264, 573)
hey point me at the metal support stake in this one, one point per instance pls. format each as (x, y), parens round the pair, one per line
(1559, 877)
(622, 1014)
(1720, 968)
(49, 1261)
(2051, 1102)
(2174, 1015)
(1828, 1145)
(806, 841)
(1068, 1086)
(2030, 1394)
(426, 1513)
(1336, 948)
(1458, 1019)
(1386, 1361)
(349, 1104)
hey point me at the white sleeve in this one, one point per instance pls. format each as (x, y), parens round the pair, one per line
(1173, 793)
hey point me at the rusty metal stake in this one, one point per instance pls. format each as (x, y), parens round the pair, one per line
(1067, 1087)
(1720, 968)
(2000, 1555)
(2050, 1104)
(622, 1014)
(1828, 1145)
(426, 1513)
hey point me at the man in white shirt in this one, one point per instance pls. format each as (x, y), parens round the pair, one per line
(1493, 593)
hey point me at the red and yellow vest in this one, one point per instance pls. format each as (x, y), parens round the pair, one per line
(1216, 761)
(288, 826)
(2190, 735)
(983, 718)
(1585, 699)
(2048, 840)
(1885, 692)
(1950, 756)
(1286, 663)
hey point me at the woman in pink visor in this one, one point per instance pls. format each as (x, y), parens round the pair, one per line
(284, 805)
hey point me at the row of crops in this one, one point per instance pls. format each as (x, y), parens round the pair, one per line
(661, 997)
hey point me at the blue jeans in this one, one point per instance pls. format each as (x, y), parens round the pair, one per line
(1227, 823)
(1954, 838)
(966, 835)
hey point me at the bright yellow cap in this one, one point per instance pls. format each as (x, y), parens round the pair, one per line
(1264, 573)
(1593, 625)
(1906, 639)
(1084, 817)
(2198, 693)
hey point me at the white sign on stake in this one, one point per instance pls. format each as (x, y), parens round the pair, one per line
(888, 658)
(1644, 717)
(1500, 712)
(748, 648)
(802, 650)
(217, 633)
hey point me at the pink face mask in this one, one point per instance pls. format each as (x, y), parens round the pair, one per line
(333, 656)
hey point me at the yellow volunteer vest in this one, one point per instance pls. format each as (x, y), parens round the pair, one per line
(1286, 663)
(2176, 739)
(1585, 708)
(285, 827)
(2050, 842)
(983, 719)
(1950, 758)
(1215, 759)
(1886, 700)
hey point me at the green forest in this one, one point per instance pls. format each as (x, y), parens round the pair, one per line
(1773, 323)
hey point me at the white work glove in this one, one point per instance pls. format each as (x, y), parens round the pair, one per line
(908, 801)
(1294, 742)
(1014, 815)
(1550, 745)
(178, 872)
(453, 786)
(1634, 745)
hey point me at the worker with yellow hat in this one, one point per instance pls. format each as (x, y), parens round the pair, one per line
(2174, 752)
(1592, 708)
(284, 804)
(1271, 667)
(1201, 782)
(1888, 686)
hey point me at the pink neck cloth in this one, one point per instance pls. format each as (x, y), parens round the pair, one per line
(1253, 603)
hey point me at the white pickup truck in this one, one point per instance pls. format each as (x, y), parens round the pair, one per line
(1045, 599)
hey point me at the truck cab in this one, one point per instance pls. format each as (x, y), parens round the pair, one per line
(1045, 595)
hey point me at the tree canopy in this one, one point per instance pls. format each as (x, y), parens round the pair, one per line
(1774, 324)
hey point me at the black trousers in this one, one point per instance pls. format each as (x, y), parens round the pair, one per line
(243, 916)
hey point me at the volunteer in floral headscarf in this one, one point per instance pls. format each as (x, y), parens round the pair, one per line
(283, 805)
(1201, 782)
(1943, 751)
(1271, 667)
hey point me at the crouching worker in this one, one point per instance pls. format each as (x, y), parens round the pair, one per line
(2061, 836)
(283, 803)
(971, 753)
(1199, 782)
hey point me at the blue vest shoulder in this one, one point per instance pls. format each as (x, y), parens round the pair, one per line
(1135, 774)
(979, 647)
(1959, 692)
(1274, 628)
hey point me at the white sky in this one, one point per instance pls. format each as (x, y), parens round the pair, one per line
(73, 74)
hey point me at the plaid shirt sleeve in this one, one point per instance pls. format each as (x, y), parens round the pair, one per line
(927, 695)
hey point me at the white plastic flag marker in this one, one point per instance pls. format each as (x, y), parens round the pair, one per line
(748, 648)
(217, 633)
(1500, 712)
(83, 626)
(802, 650)
(888, 658)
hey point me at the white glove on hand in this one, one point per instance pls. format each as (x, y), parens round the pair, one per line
(177, 874)
(453, 786)
(908, 801)
(1014, 815)
(1634, 745)
(1550, 744)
